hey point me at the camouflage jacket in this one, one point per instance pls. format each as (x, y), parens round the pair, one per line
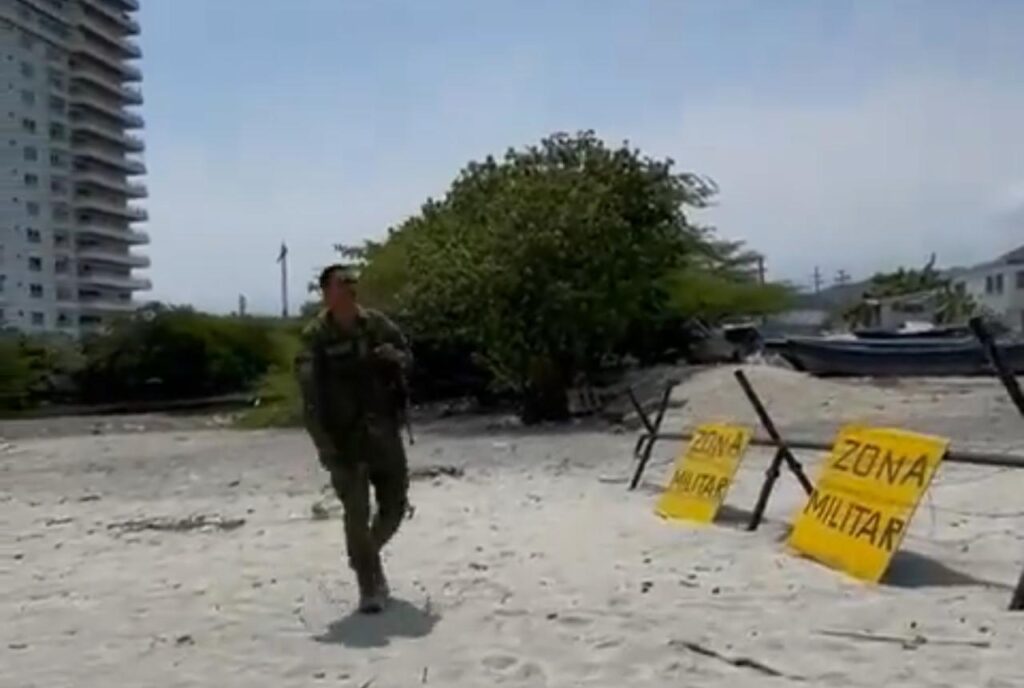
(345, 386)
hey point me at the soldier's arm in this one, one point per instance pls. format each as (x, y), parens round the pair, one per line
(309, 368)
(391, 334)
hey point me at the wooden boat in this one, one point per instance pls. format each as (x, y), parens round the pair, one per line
(896, 358)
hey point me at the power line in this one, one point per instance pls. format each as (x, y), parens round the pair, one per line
(817, 279)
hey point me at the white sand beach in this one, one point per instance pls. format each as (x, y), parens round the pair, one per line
(529, 565)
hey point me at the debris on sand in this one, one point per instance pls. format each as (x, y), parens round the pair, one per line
(201, 522)
(906, 642)
(431, 472)
(739, 662)
(323, 509)
(61, 521)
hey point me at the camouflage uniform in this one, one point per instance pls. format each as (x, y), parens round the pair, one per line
(352, 409)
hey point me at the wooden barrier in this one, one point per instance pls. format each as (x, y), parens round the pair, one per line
(784, 446)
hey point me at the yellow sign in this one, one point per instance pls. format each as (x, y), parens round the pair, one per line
(865, 496)
(704, 472)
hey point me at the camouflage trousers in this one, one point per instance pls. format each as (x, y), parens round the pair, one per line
(380, 464)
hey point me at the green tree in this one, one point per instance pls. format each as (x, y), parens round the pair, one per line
(545, 259)
(715, 294)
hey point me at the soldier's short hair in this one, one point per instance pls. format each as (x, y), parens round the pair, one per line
(347, 274)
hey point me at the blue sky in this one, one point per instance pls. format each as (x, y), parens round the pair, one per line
(848, 135)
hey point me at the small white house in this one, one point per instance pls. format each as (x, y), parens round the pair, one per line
(903, 311)
(998, 286)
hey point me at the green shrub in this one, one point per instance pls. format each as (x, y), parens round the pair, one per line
(16, 375)
(34, 369)
(164, 353)
(279, 400)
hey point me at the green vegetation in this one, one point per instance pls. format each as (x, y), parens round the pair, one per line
(532, 271)
(174, 353)
(546, 260)
(279, 402)
(159, 353)
(953, 306)
(16, 378)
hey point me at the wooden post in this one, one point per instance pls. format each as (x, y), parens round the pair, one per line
(282, 259)
(770, 476)
(1009, 381)
(645, 445)
(782, 454)
(1006, 375)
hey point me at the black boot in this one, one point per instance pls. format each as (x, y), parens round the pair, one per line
(370, 600)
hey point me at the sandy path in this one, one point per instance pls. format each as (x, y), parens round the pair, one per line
(531, 570)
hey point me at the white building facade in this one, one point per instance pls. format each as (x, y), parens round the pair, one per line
(69, 164)
(998, 286)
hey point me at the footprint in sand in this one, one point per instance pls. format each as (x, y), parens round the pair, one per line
(607, 643)
(530, 673)
(499, 662)
(573, 621)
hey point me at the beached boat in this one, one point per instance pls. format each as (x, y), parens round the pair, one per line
(896, 358)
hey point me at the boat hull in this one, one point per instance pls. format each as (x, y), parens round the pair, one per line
(905, 359)
(952, 332)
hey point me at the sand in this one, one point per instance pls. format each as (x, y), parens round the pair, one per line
(535, 567)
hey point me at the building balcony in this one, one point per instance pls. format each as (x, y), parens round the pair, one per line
(105, 304)
(109, 256)
(106, 82)
(113, 280)
(57, 29)
(108, 183)
(113, 37)
(112, 108)
(109, 134)
(131, 237)
(90, 152)
(45, 7)
(99, 205)
(114, 62)
(115, 12)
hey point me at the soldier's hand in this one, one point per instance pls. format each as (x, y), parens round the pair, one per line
(390, 352)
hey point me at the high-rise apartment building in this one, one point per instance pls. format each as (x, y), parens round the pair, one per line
(69, 164)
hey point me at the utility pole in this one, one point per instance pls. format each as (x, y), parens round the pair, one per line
(842, 277)
(241, 305)
(817, 279)
(282, 259)
(760, 269)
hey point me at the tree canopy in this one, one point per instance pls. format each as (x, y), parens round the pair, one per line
(544, 259)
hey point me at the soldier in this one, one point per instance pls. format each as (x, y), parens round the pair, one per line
(351, 371)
